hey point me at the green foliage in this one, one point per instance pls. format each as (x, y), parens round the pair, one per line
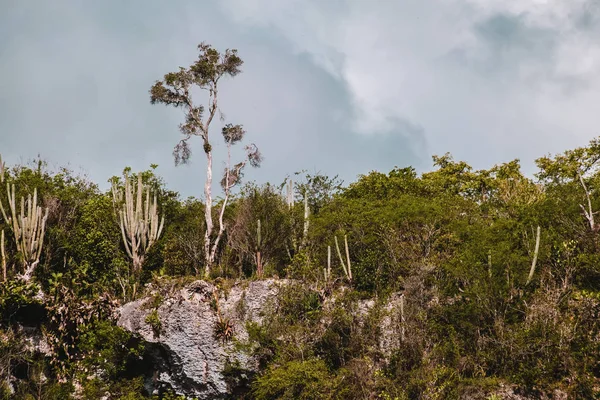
(264, 204)
(153, 320)
(335, 344)
(69, 317)
(224, 329)
(183, 251)
(296, 303)
(302, 267)
(455, 242)
(18, 303)
(318, 188)
(295, 380)
(108, 348)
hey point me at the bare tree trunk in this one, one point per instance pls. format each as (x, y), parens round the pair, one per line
(589, 213)
(215, 246)
(213, 251)
(208, 215)
(208, 254)
(535, 257)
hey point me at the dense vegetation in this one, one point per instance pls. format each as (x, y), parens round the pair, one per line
(499, 271)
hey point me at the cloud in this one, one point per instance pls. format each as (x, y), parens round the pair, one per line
(488, 80)
(75, 79)
(343, 87)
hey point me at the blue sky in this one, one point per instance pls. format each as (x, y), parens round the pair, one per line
(342, 87)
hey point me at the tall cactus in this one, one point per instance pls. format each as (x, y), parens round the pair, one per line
(290, 194)
(138, 220)
(289, 199)
(347, 267)
(306, 219)
(259, 266)
(327, 271)
(28, 228)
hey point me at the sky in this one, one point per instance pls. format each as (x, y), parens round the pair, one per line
(340, 87)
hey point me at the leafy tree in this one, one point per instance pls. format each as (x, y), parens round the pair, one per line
(183, 251)
(176, 90)
(578, 165)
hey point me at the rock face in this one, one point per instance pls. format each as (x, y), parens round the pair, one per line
(187, 354)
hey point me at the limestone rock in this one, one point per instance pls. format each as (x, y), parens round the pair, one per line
(188, 356)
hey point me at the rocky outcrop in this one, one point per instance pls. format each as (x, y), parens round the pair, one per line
(186, 354)
(182, 331)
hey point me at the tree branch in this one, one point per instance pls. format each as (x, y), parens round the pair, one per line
(588, 214)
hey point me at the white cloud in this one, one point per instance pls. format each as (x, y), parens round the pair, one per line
(488, 80)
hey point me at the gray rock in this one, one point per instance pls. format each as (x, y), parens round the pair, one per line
(188, 356)
(35, 342)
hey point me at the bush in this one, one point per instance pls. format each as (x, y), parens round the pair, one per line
(295, 380)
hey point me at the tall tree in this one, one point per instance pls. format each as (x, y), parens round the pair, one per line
(176, 90)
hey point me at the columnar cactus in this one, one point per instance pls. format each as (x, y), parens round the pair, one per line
(259, 266)
(290, 194)
(28, 228)
(327, 271)
(138, 220)
(346, 266)
(306, 219)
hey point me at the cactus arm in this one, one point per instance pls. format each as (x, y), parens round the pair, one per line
(125, 240)
(348, 258)
(339, 253)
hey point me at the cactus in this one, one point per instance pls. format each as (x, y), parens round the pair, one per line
(306, 220)
(28, 228)
(327, 271)
(347, 267)
(138, 220)
(259, 267)
(290, 194)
